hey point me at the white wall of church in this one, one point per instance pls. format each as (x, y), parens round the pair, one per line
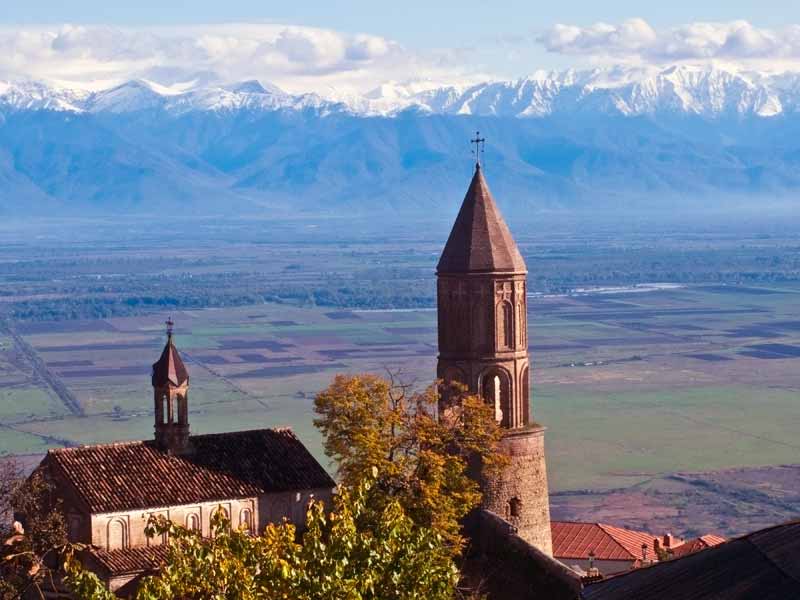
(127, 530)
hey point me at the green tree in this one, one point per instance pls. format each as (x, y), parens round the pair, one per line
(425, 462)
(362, 549)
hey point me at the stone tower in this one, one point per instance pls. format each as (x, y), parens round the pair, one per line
(483, 343)
(171, 396)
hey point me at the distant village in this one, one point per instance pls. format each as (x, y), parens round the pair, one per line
(109, 492)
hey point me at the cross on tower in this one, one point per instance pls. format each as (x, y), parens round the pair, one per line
(480, 144)
(169, 325)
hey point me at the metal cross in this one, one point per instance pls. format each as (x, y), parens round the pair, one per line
(480, 144)
(169, 325)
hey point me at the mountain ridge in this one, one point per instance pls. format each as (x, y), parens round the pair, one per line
(606, 140)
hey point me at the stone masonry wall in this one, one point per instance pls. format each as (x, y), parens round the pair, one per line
(520, 493)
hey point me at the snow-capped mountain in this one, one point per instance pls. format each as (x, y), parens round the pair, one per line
(598, 139)
(702, 91)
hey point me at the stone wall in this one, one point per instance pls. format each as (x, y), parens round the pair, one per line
(520, 494)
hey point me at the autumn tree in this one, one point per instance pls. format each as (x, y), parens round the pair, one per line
(426, 461)
(29, 548)
(361, 548)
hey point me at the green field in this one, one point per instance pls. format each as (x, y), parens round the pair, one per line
(630, 385)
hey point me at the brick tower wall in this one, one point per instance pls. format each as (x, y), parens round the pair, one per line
(520, 493)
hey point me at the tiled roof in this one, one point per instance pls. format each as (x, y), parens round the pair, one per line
(169, 368)
(696, 544)
(135, 475)
(480, 240)
(130, 560)
(764, 565)
(577, 540)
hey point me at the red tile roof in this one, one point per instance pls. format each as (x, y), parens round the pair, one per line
(764, 565)
(577, 540)
(696, 544)
(135, 475)
(169, 368)
(480, 240)
(130, 560)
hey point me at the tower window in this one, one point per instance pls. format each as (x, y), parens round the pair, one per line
(505, 325)
(514, 507)
(496, 391)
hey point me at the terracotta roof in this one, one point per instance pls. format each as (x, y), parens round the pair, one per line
(134, 475)
(696, 544)
(480, 240)
(130, 560)
(764, 565)
(576, 540)
(169, 368)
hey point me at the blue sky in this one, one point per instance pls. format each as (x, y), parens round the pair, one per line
(414, 39)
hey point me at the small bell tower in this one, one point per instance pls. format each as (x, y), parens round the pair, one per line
(171, 397)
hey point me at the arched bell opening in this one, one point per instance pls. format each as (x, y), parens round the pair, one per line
(496, 391)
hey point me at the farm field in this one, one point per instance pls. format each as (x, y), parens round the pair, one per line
(633, 382)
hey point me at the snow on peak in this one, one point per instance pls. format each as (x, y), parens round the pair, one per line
(706, 91)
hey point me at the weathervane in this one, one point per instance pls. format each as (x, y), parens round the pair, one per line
(170, 325)
(480, 144)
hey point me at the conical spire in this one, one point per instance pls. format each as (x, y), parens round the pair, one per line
(480, 240)
(169, 368)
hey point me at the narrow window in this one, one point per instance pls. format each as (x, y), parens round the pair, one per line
(117, 534)
(193, 522)
(514, 507)
(245, 520)
(498, 408)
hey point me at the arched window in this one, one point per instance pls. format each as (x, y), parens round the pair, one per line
(117, 534)
(496, 391)
(193, 522)
(525, 392)
(167, 415)
(505, 325)
(246, 520)
(74, 526)
(220, 512)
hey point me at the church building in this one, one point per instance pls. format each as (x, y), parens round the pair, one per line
(109, 491)
(483, 344)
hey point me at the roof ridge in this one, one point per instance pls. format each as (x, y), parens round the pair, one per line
(121, 443)
(66, 449)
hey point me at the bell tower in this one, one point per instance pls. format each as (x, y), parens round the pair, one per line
(483, 344)
(171, 396)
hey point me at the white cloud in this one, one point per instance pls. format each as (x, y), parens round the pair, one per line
(293, 57)
(635, 41)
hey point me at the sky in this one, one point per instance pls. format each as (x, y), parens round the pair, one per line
(353, 46)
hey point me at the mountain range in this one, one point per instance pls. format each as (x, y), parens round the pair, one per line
(621, 138)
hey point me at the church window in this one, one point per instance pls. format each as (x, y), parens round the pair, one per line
(192, 522)
(245, 520)
(74, 524)
(222, 513)
(514, 507)
(117, 534)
